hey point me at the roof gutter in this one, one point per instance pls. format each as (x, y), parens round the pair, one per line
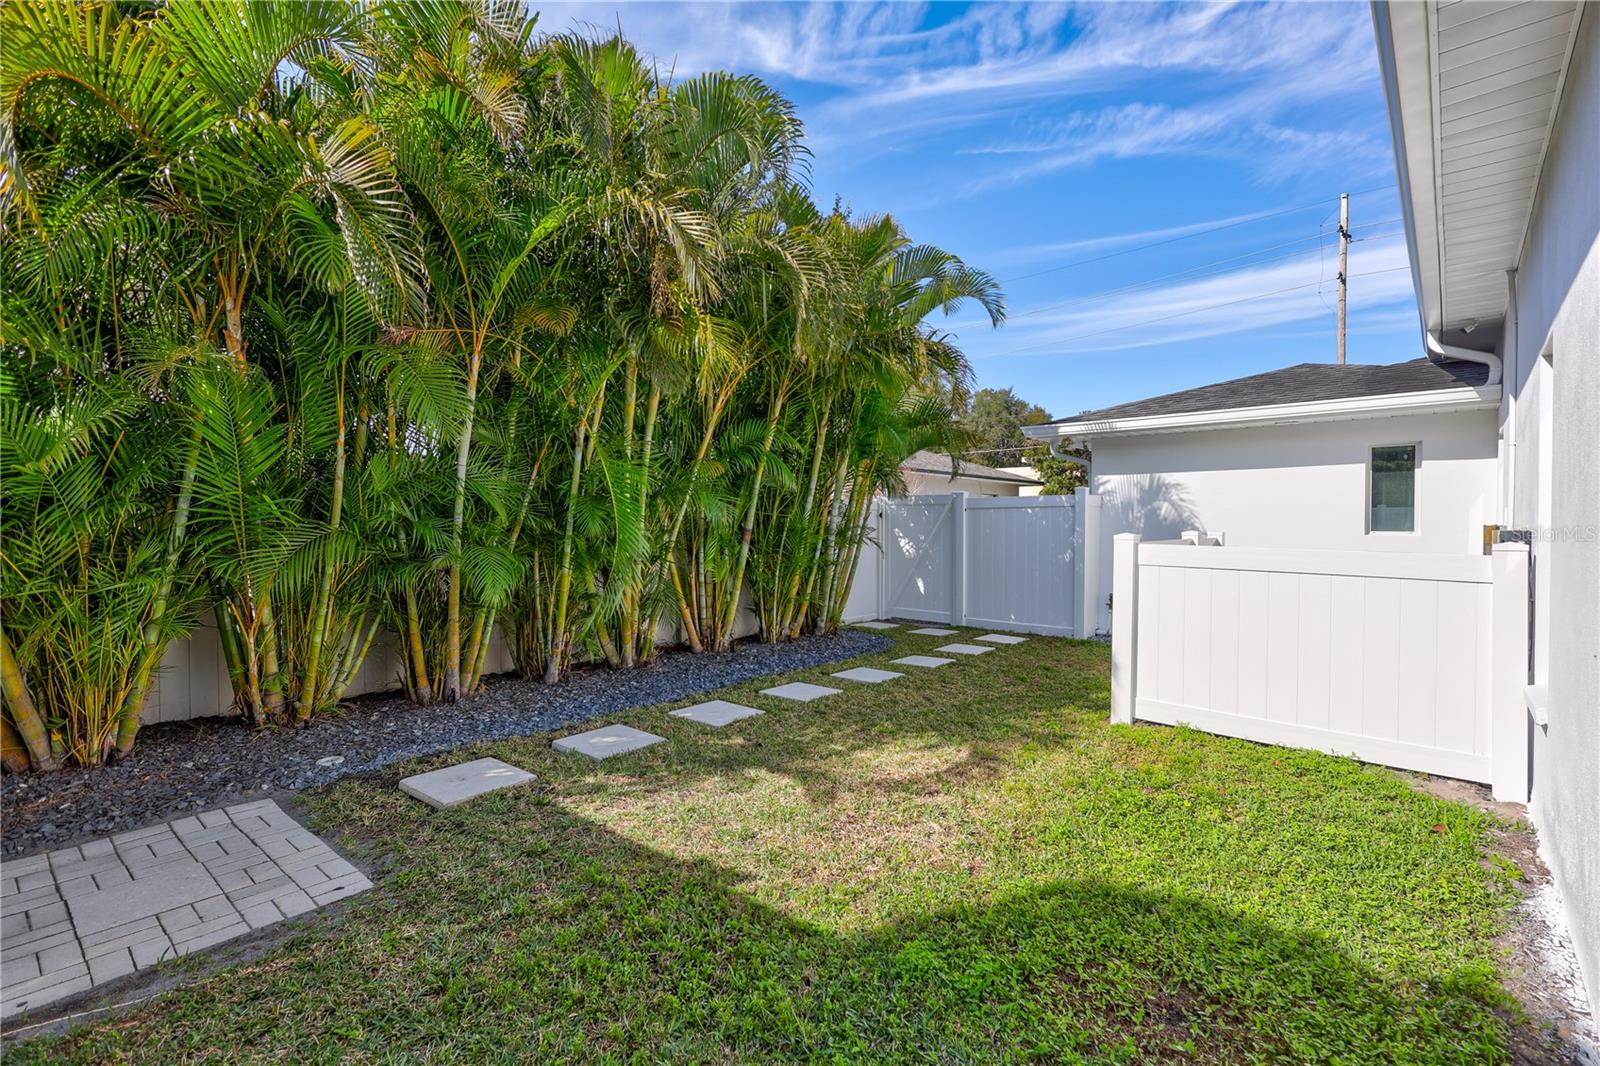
(1408, 93)
(1470, 355)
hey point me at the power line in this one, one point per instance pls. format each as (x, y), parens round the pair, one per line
(1191, 311)
(1182, 237)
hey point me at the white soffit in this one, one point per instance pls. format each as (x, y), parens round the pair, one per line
(1474, 87)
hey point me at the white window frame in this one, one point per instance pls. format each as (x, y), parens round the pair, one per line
(1416, 491)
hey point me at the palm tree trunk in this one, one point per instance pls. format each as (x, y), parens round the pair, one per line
(786, 606)
(232, 656)
(693, 632)
(421, 689)
(452, 636)
(558, 623)
(641, 630)
(19, 701)
(13, 752)
(858, 527)
(352, 667)
(271, 691)
(469, 681)
(725, 634)
(819, 583)
(132, 710)
(321, 606)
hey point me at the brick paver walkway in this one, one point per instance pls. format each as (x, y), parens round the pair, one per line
(83, 916)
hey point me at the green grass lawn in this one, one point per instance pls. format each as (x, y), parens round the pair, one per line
(967, 864)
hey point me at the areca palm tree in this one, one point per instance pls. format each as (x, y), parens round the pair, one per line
(394, 314)
(169, 138)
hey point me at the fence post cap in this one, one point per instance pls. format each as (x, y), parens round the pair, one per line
(1518, 546)
(1126, 537)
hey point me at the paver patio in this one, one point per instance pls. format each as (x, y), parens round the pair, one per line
(83, 916)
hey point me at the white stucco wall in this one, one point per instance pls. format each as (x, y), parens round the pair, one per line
(1025, 471)
(1297, 486)
(1552, 474)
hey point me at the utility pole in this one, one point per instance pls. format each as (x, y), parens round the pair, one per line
(1344, 264)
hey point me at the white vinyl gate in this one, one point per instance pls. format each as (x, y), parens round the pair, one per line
(1015, 563)
(1409, 660)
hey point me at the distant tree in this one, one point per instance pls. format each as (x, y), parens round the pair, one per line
(994, 418)
(1060, 476)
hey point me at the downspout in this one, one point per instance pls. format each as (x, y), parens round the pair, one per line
(1512, 347)
(1452, 352)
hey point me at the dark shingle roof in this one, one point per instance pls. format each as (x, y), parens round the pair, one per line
(1305, 383)
(926, 462)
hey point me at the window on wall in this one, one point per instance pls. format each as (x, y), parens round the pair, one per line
(1392, 507)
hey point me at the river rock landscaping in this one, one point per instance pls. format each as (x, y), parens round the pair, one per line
(188, 766)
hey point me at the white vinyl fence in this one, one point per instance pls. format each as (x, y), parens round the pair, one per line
(1007, 563)
(193, 679)
(1016, 563)
(1408, 660)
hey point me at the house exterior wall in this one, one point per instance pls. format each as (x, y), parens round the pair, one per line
(920, 484)
(1296, 486)
(1025, 471)
(1551, 474)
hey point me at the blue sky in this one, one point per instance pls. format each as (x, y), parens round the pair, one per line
(1053, 144)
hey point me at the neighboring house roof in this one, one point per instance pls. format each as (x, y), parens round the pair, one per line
(1306, 392)
(926, 462)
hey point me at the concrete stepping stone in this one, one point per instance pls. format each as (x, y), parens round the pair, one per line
(967, 649)
(929, 661)
(868, 675)
(1002, 638)
(716, 713)
(877, 625)
(454, 785)
(607, 741)
(935, 631)
(801, 691)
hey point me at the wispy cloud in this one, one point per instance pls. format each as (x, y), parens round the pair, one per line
(1236, 301)
(893, 81)
(1111, 241)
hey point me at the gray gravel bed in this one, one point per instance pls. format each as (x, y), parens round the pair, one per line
(186, 766)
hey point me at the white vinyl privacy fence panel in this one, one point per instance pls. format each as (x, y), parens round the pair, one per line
(1021, 573)
(1409, 660)
(1005, 562)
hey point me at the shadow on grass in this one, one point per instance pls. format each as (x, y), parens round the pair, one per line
(525, 932)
